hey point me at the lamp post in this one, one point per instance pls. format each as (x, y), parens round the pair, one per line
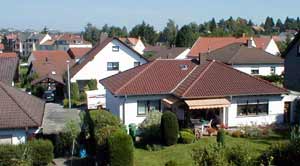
(69, 86)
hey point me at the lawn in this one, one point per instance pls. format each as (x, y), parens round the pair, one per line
(182, 153)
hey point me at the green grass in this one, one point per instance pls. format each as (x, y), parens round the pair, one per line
(182, 153)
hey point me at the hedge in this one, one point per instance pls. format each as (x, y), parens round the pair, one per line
(169, 128)
(120, 147)
(186, 137)
(41, 152)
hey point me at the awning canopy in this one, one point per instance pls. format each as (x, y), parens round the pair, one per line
(207, 103)
(169, 101)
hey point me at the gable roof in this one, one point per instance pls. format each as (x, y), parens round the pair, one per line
(9, 65)
(72, 39)
(206, 44)
(77, 53)
(130, 40)
(164, 52)
(50, 62)
(238, 53)
(94, 51)
(210, 79)
(18, 109)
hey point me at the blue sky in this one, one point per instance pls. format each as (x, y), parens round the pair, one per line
(73, 15)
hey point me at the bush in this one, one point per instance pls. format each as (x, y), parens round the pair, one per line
(188, 130)
(239, 156)
(169, 128)
(92, 84)
(41, 152)
(74, 103)
(295, 133)
(186, 137)
(212, 155)
(150, 128)
(221, 137)
(154, 147)
(102, 118)
(13, 155)
(237, 133)
(120, 147)
(74, 92)
(83, 97)
(171, 163)
(38, 91)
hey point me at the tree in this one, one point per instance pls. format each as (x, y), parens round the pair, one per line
(212, 25)
(269, 25)
(169, 128)
(91, 33)
(75, 92)
(185, 37)
(45, 30)
(279, 25)
(146, 32)
(169, 33)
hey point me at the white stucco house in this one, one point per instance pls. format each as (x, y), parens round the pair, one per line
(21, 115)
(248, 59)
(135, 43)
(194, 90)
(107, 58)
(66, 41)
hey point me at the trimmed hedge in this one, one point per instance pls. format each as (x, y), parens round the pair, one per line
(92, 84)
(120, 147)
(221, 137)
(41, 152)
(169, 128)
(186, 137)
(75, 91)
(12, 155)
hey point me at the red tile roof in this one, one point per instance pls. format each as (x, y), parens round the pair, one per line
(210, 79)
(8, 55)
(77, 53)
(18, 109)
(130, 40)
(50, 62)
(1, 46)
(206, 44)
(9, 63)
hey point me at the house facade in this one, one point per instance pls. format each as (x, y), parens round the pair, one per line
(21, 115)
(66, 41)
(135, 43)
(194, 90)
(107, 58)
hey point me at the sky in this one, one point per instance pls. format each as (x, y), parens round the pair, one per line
(73, 15)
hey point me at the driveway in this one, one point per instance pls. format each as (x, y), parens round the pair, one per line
(56, 117)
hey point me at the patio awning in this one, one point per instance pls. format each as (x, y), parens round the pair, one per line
(207, 103)
(169, 101)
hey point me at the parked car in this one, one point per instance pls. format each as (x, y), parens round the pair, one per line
(49, 96)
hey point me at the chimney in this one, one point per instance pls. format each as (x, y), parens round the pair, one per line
(202, 58)
(250, 42)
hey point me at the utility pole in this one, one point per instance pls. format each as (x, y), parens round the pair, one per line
(69, 86)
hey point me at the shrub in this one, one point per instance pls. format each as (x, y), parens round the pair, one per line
(83, 97)
(102, 134)
(150, 128)
(221, 137)
(120, 149)
(186, 137)
(74, 103)
(237, 133)
(154, 147)
(239, 156)
(171, 163)
(188, 130)
(71, 132)
(13, 155)
(41, 152)
(169, 128)
(102, 118)
(92, 84)
(295, 133)
(74, 90)
(212, 155)
(38, 91)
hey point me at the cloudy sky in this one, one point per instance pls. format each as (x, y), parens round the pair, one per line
(73, 15)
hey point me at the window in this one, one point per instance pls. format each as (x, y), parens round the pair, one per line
(135, 64)
(115, 48)
(253, 108)
(112, 66)
(255, 71)
(144, 106)
(273, 69)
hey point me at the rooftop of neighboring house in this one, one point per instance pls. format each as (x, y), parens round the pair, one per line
(239, 53)
(18, 109)
(94, 51)
(36, 36)
(187, 79)
(129, 40)
(9, 66)
(72, 39)
(207, 44)
(77, 53)
(162, 52)
(51, 64)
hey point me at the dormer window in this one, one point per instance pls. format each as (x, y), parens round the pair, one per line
(115, 48)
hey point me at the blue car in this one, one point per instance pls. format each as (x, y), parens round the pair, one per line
(49, 96)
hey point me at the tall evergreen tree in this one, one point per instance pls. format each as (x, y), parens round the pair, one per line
(212, 25)
(279, 25)
(146, 32)
(185, 37)
(169, 33)
(269, 25)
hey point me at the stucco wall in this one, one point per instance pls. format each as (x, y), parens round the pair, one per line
(264, 70)
(272, 48)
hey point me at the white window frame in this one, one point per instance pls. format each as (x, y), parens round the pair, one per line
(115, 48)
(113, 66)
(273, 70)
(254, 69)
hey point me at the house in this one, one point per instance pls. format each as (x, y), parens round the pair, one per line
(248, 59)
(156, 52)
(66, 41)
(193, 90)
(208, 44)
(77, 53)
(33, 42)
(21, 115)
(9, 68)
(108, 57)
(135, 43)
(1, 48)
(291, 64)
(49, 68)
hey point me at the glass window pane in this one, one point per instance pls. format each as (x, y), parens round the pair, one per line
(142, 107)
(154, 106)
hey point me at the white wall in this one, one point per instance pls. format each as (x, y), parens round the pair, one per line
(18, 135)
(275, 115)
(97, 68)
(80, 46)
(264, 70)
(272, 48)
(139, 47)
